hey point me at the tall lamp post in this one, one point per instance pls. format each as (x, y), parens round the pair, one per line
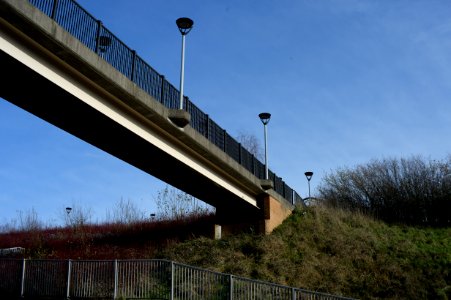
(309, 177)
(185, 25)
(265, 117)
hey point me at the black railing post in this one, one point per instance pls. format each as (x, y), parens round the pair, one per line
(99, 30)
(239, 154)
(55, 7)
(186, 100)
(224, 140)
(283, 189)
(162, 89)
(253, 167)
(207, 131)
(132, 75)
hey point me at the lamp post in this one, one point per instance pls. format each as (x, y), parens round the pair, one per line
(185, 25)
(265, 117)
(68, 210)
(309, 177)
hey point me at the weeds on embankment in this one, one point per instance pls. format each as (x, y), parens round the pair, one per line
(317, 248)
(337, 252)
(118, 240)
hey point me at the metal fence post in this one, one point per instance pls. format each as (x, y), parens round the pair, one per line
(224, 140)
(230, 287)
(254, 167)
(283, 188)
(293, 294)
(99, 29)
(207, 132)
(172, 281)
(22, 284)
(69, 269)
(239, 154)
(115, 279)
(187, 102)
(162, 89)
(132, 75)
(55, 6)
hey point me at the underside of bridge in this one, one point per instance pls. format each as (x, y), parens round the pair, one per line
(35, 94)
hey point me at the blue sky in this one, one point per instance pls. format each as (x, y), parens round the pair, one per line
(346, 81)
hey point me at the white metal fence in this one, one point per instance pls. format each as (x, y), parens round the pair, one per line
(133, 279)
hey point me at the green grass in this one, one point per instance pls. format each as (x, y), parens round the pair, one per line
(336, 252)
(317, 248)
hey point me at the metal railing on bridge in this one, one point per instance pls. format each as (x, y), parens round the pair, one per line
(90, 31)
(134, 279)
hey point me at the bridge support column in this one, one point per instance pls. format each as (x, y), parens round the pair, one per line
(263, 221)
(275, 212)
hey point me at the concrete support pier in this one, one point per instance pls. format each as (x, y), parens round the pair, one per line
(271, 214)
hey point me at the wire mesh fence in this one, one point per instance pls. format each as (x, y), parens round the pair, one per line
(134, 279)
(91, 32)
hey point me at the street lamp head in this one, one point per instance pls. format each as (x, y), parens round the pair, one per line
(264, 117)
(68, 210)
(308, 175)
(185, 25)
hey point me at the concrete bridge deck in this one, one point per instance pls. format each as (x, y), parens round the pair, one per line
(51, 74)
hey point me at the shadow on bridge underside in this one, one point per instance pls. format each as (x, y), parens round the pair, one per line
(32, 92)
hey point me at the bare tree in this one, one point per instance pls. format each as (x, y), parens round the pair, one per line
(173, 204)
(251, 143)
(77, 216)
(29, 221)
(8, 226)
(125, 212)
(412, 191)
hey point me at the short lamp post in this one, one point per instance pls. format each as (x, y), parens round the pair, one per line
(265, 117)
(68, 210)
(308, 175)
(185, 25)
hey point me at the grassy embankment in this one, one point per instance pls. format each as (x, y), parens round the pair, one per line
(316, 248)
(335, 252)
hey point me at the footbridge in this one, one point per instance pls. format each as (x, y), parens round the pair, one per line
(61, 64)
